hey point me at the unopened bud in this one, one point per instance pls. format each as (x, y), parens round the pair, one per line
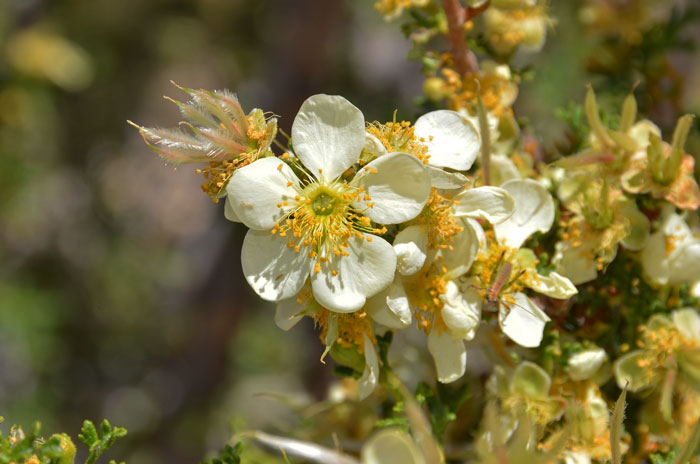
(629, 113)
(593, 118)
(435, 89)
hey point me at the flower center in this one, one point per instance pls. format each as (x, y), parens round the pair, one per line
(323, 220)
(442, 224)
(424, 295)
(500, 270)
(323, 204)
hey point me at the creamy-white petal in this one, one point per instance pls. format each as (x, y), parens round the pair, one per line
(523, 322)
(441, 179)
(390, 307)
(288, 313)
(449, 354)
(411, 247)
(328, 135)
(584, 364)
(398, 187)
(553, 285)
(391, 445)
(459, 259)
(272, 269)
(257, 189)
(461, 311)
(575, 263)
(491, 203)
(374, 146)
(370, 375)
(534, 212)
(367, 270)
(687, 320)
(452, 141)
(685, 263)
(229, 213)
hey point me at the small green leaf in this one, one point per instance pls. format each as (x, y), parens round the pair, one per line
(88, 434)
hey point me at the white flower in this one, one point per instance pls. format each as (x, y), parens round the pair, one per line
(433, 253)
(509, 268)
(448, 139)
(445, 307)
(672, 254)
(443, 218)
(320, 225)
(291, 310)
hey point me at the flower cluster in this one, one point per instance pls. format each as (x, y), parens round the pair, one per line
(452, 232)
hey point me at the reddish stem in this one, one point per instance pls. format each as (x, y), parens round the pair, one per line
(457, 15)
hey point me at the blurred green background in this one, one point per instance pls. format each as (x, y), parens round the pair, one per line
(121, 294)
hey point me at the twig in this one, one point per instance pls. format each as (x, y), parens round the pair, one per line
(457, 15)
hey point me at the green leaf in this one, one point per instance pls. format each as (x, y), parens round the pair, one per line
(229, 455)
(88, 434)
(442, 405)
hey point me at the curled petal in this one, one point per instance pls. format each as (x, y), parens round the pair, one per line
(461, 311)
(390, 307)
(411, 247)
(374, 147)
(288, 313)
(328, 135)
(370, 375)
(628, 368)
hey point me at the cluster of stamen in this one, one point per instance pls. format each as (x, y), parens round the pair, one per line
(388, 7)
(467, 89)
(488, 267)
(424, 294)
(217, 173)
(323, 219)
(513, 37)
(352, 327)
(659, 345)
(400, 137)
(579, 233)
(441, 223)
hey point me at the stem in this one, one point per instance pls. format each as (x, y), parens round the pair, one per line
(457, 15)
(417, 421)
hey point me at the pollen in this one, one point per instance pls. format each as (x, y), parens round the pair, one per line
(320, 220)
(351, 328)
(424, 293)
(399, 137)
(442, 225)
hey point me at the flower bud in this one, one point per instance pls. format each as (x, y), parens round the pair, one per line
(435, 89)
